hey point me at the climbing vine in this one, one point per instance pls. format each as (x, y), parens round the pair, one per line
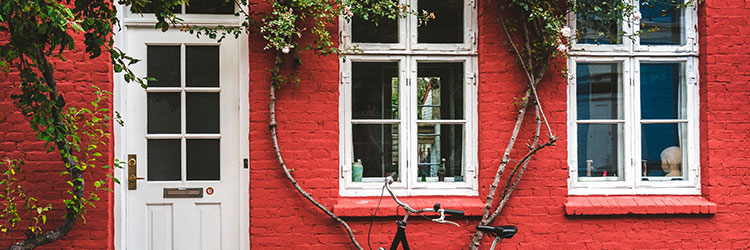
(536, 33)
(36, 36)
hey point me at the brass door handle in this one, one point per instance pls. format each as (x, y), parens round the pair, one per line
(133, 178)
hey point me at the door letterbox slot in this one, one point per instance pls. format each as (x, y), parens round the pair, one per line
(183, 193)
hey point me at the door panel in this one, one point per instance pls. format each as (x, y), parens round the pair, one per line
(184, 131)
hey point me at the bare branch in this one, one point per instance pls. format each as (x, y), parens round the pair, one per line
(534, 78)
(528, 69)
(272, 125)
(515, 49)
(523, 164)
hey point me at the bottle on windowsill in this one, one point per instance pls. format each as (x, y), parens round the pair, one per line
(357, 171)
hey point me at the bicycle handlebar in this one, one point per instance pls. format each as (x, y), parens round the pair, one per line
(390, 179)
(454, 212)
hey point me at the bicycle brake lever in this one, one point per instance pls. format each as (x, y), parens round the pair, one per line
(441, 221)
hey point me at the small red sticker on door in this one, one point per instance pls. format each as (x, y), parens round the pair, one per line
(209, 191)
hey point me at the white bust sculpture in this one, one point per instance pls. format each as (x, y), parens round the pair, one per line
(671, 161)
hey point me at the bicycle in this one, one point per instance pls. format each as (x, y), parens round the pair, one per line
(401, 225)
(499, 232)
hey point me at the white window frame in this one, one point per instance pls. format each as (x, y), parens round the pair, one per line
(407, 29)
(630, 54)
(408, 53)
(148, 19)
(633, 45)
(470, 27)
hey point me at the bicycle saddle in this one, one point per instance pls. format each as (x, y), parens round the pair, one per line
(506, 232)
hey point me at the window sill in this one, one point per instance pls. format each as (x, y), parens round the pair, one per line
(365, 206)
(619, 205)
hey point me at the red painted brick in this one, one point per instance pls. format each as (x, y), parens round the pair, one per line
(308, 130)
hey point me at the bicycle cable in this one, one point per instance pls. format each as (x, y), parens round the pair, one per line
(372, 218)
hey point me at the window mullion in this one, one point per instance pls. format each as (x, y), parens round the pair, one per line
(635, 124)
(411, 107)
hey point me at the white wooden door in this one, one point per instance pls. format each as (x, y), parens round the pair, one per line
(184, 133)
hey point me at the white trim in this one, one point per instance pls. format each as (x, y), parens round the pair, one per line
(690, 21)
(345, 37)
(632, 183)
(408, 126)
(407, 52)
(120, 101)
(630, 54)
(407, 44)
(632, 45)
(470, 31)
(147, 19)
(624, 46)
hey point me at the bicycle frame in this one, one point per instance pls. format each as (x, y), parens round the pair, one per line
(400, 236)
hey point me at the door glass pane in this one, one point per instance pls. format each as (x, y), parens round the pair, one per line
(210, 7)
(663, 94)
(663, 151)
(600, 152)
(202, 66)
(440, 151)
(163, 160)
(662, 23)
(376, 150)
(599, 91)
(375, 90)
(202, 111)
(203, 160)
(163, 63)
(367, 31)
(448, 25)
(597, 27)
(163, 113)
(440, 91)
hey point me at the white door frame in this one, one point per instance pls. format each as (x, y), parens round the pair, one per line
(120, 101)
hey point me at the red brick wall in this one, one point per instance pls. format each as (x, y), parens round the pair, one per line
(41, 173)
(308, 132)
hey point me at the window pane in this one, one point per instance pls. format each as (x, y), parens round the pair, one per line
(163, 63)
(440, 152)
(662, 150)
(599, 91)
(202, 112)
(376, 148)
(366, 31)
(663, 94)
(163, 113)
(600, 152)
(210, 7)
(150, 7)
(375, 90)
(597, 27)
(440, 91)
(448, 25)
(203, 160)
(202, 66)
(163, 160)
(662, 23)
